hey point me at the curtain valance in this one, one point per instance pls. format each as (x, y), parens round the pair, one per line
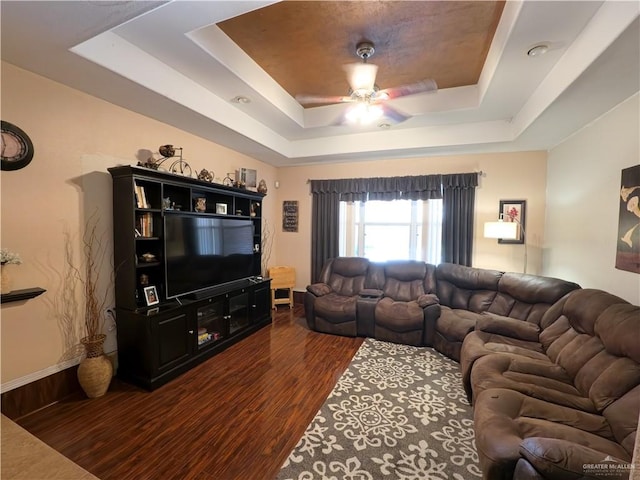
(422, 187)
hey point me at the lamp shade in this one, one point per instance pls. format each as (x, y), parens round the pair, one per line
(501, 229)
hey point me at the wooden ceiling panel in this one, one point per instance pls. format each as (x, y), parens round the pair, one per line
(302, 45)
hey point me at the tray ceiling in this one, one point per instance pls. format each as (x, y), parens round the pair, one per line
(444, 41)
(184, 62)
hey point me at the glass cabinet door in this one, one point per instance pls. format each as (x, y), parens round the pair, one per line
(238, 312)
(211, 323)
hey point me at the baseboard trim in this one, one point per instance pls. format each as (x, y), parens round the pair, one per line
(25, 399)
(28, 394)
(35, 376)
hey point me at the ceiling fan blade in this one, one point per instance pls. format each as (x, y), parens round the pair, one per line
(319, 99)
(410, 89)
(393, 114)
(361, 76)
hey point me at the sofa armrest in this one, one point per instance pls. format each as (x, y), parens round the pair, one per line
(557, 459)
(319, 289)
(428, 299)
(508, 327)
(371, 293)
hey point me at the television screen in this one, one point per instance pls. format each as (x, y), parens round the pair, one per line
(202, 252)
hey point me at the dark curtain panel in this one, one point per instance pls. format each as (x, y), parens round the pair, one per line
(458, 200)
(325, 217)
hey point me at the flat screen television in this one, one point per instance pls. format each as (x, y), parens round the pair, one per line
(203, 252)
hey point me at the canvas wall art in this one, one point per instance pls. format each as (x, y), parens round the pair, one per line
(628, 245)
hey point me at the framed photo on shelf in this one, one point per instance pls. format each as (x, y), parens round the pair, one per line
(514, 211)
(151, 295)
(221, 208)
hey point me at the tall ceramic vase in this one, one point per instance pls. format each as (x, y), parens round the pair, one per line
(95, 370)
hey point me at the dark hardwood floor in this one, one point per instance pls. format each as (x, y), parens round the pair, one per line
(237, 416)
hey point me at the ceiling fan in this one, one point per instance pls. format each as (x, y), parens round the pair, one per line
(367, 98)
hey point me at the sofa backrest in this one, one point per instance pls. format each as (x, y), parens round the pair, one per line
(468, 288)
(345, 275)
(515, 295)
(596, 340)
(528, 297)
(406, 280)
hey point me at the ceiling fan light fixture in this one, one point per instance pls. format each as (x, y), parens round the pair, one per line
(364, 113)
(361, 77)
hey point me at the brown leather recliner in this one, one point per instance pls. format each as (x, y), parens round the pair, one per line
(408, 309)
(575, 403)
(330, 304)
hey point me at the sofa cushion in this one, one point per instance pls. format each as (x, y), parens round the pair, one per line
(455, 324)
(622, 416)
(539, 379)
(405, 280)
(467, 288)
(399, 316)
(528, 297)
(345, 275)
(598, 344)
(336, 308)
(561, 459)
(510, 327)
(504, 418)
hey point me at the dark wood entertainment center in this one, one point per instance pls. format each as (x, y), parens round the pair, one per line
(157, 342)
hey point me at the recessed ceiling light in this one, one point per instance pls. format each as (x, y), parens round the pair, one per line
(538, 50)
(241, 99)
(384, 126)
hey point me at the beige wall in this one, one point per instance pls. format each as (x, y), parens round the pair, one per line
(76, 138)
(507, 176)
(583, 202)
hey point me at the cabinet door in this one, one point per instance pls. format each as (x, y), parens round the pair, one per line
(261, 304)
(212, 325)
(238, 311)
(174, 339)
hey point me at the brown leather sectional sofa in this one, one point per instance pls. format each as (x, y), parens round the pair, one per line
(553, 370)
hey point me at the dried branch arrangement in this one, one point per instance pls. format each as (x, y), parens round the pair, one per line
(267, 244)
(94, 253)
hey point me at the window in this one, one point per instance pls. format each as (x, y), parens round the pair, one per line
(392, 230)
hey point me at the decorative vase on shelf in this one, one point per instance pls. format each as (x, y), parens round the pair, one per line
(95, 370)
(5, 280)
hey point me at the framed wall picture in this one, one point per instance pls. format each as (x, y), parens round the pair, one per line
(151, 295)
(290, 216)
(628, 247)
(514, 211)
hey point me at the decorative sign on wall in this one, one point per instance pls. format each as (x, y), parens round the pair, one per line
(628, 249)
(290, 216)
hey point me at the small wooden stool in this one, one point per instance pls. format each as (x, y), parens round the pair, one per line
(282, 278)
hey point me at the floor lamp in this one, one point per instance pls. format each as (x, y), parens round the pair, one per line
(507, 231)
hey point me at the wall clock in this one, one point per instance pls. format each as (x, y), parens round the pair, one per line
(16, 148)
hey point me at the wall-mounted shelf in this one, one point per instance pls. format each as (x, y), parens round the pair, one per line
(24, 294)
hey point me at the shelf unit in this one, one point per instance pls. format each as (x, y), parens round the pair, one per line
(158, 342)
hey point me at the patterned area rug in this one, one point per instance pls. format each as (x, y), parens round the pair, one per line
(398, 412)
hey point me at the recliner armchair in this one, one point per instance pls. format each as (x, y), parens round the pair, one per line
(408, 309)
(330, 304)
